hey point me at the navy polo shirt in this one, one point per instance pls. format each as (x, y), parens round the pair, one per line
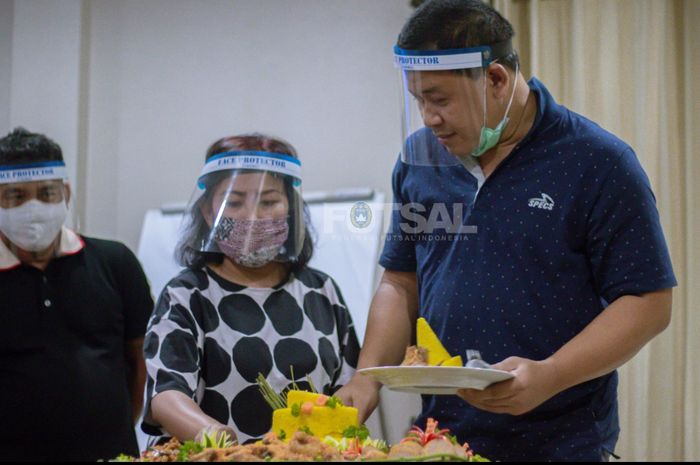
(566, 223)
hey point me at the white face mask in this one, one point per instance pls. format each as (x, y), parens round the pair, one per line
(34, 225)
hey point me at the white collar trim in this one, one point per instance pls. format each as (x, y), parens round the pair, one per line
(70, 244)
(474, 168)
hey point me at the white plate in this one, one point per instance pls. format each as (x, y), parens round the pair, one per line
(433, 379)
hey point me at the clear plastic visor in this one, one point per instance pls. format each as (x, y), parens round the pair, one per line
(34, 205)
(252, 214)
(443, 104)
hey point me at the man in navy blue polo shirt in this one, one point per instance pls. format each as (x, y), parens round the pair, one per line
(545, 254)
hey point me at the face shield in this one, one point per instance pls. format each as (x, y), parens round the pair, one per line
(444, 109)
(248, 206)
(33, 204)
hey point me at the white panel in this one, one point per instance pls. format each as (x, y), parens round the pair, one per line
(348, 253)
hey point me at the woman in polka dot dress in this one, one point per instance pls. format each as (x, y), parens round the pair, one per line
(246, 303)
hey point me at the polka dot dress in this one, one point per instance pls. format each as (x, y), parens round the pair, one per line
(210, 339)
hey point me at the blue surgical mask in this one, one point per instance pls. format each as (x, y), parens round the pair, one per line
(490, 137)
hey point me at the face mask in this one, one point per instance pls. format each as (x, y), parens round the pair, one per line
(34, 225)
(252, 243)
(490, 137)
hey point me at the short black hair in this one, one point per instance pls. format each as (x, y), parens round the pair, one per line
(21, 147)
(449, 24)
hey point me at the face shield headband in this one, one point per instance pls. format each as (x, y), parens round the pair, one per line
(46, 171)
(253, 160)
(255, 205)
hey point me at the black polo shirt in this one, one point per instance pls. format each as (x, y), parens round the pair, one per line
(63, 373)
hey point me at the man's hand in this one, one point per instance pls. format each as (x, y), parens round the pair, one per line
(534, 383)
(610, 340)
(361, 393)
(390, 326)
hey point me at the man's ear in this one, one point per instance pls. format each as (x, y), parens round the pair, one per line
(499, 80)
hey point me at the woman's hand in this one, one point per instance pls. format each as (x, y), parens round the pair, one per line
(182, 417)
(217, 433)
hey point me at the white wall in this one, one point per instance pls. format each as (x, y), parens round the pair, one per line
(6, 20)
(135, 91)
(45, 72)
(168, 77)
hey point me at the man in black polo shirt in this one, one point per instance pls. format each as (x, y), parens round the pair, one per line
(73, 312)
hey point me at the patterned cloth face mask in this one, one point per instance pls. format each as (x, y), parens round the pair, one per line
(252, 243)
